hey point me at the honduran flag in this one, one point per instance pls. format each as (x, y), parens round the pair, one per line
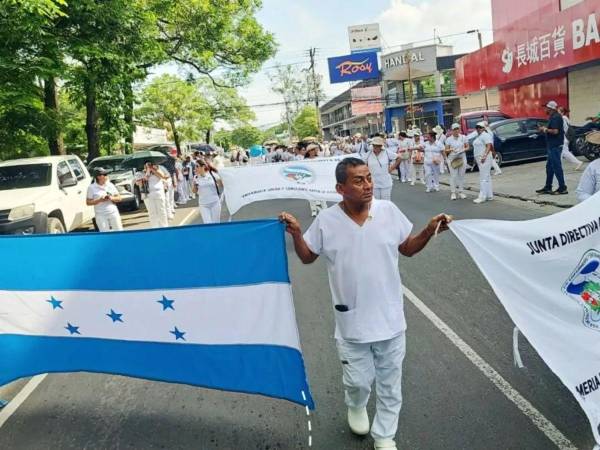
(207, 305)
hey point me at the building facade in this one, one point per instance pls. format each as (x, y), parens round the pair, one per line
(543, 50)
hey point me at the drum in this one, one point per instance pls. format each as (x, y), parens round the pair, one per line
(593, 138)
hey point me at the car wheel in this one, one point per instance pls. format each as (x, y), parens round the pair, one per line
(498, 158)
(55, 226)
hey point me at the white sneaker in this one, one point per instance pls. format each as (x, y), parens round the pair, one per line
(358, 421)
(170, 217)
(387, 444)
(427, 190)
(453, 196)
(479, 200)
(437, 189)
(462, 196)
(497, 172)
(412, 183)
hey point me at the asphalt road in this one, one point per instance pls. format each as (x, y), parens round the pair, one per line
(448, 402)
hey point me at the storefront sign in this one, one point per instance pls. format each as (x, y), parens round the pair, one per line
(364, 38)
(422, 61)
(558, 40)
(366, 100)
(361, 66)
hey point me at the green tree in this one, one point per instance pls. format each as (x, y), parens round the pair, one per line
(306, 123)
(223, 139)
(246, 136)
(169, 101)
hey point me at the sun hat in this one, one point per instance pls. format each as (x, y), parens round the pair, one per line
(312, 146)
(438, 129)
(552, 105)
(378, 141)
(417, 132)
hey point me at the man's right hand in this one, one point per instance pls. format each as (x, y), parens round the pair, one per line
(292, 224)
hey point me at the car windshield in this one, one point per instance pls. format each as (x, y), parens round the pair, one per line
(111, 165)
(25, 176)
(492, 119)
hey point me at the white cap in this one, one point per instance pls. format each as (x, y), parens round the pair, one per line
(481, 124)
(378, 141)
(410, 133)
(417, 132)
(552, 104)
(455, 126)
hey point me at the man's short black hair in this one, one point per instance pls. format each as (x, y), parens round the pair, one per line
(341, 170)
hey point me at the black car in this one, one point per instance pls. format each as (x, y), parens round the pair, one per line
(516, 140)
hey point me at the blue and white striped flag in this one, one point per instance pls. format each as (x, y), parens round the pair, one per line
(209, 306)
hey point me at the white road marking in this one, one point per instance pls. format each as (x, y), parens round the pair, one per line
(538, 419)
(188, 217)
(14, 404)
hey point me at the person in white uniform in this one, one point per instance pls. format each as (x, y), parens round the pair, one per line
(566, 153)
(361, 239)
(312, 151)
(418, 149)
(381, 163)
(153, 180)
(433, 162)
(361, 146)
(103, 196)
(482, 152)
(456, 146)
(208, 186)
(590, 181)
(183, 195)
(404, 152)
(440, 137)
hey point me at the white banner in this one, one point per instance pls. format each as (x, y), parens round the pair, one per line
(546, 273)
(308, 179)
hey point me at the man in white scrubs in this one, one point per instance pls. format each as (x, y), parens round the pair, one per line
(381, 163)
(367, 299)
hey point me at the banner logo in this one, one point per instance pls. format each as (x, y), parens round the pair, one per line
(351, 67)
(298, 174)
(584, 287)
(356, 67)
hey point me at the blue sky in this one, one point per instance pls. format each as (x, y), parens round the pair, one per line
(301, 24)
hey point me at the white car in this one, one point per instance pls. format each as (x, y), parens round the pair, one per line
(43, 195)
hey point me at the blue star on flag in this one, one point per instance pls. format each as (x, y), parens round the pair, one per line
(115, 316)
(166, 303)
(178, 334)
(72, 329)
(56, 304)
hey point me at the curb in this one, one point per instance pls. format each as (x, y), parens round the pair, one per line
(523, 199)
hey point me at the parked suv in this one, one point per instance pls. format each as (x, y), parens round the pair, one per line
(123, 179)
(43, 195)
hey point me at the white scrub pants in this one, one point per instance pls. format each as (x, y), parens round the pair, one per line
(418, 172)
(380, 362)
(567, 155)
(170, 199)
(109, 221)
(210, 213)
(182, 192)
(405, 170)
(457, 177)
(156, 204)
(432, 175)
(485, 178)
(382, 193)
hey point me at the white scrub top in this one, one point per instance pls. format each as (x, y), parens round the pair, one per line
(590, 181)
(362, 263)
(207, 188)
(95, 191)
(431, 151)
(480, 142)
(379, 165)
(457, 146)
(392, 144)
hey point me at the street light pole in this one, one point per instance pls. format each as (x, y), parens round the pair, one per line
(485, 91)
(410, 88)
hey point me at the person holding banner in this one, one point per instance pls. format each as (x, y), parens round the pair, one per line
(208, 186)
(381, 163)
(367, 298)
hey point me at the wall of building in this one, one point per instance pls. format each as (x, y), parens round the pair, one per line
(529, 99)
(476, 101)
(584, 93)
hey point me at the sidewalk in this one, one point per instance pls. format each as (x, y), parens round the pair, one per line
(520, 182)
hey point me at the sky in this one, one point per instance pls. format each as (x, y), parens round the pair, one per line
(301, 24)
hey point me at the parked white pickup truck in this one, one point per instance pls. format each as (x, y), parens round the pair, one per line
(43, 195)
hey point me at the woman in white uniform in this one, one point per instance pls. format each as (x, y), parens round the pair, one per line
(316, 206)
(566, 153)
(208, 186)
(381, 163)
(482, 152)
(404, 153)
(103, 195)
(418, 149)
(182, 193)
(433, 162)
(456, 145)
(153, 180)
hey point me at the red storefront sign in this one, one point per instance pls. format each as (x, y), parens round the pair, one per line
(543, 41)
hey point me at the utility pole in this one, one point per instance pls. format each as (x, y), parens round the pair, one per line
(312, 53)
(408, 55)
(485, 91)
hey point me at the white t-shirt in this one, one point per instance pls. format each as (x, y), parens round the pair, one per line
(432, 151)
(480, 143)
(379, 165)
(207, 188)
(362, 263)
(457, 146)
(392, 144)
(96, 191)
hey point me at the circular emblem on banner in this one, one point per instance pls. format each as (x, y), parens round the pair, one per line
(298, 174)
